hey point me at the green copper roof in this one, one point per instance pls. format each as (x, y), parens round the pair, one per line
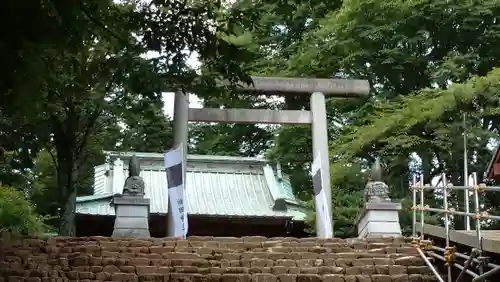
(215, 185)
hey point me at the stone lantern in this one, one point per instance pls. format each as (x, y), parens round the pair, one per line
(131, 208)
(379, 216)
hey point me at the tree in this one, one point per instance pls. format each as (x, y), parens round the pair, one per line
(17, 215)
(402, 48)
(433, 108)
(143, 127)
(428, 62)
(229, 140)
(274, 30)
(7, 175)
(80, 80)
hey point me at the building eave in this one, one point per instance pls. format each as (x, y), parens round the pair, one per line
(215, 186)
(494, 159)
(93, 198)
(190, 157)
(85, 207)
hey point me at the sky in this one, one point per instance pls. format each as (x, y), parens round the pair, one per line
(168, 100)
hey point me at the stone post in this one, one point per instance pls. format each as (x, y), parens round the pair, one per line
(320, 148)
(180, 126)
(131, 208)
(379, 216)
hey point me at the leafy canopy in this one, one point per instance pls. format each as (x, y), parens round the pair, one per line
(17, 215)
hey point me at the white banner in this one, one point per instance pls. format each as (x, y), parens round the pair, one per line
(174, 168)
(321, 201)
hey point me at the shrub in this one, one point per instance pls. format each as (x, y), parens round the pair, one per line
(17, 214)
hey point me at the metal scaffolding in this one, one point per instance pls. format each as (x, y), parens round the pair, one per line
(476, 264)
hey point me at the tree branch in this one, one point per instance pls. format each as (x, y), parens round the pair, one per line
(101, 25)
(95, 115)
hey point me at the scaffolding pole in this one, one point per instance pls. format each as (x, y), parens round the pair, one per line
(458, 266)
(466, 257)
(481, 215)
(485, 275)
(466, 176)
(467, 265)
(421, 186)
(446, 221)
(477, 260)
(429, 264)
(414, 194)
(478, 223)
(481, 187)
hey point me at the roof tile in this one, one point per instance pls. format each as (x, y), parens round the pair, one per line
(230, 188)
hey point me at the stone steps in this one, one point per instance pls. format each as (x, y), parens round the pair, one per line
(211, 259)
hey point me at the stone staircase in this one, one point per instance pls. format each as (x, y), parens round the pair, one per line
(210, 259)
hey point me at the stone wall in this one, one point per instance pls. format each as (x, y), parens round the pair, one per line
(210, 259)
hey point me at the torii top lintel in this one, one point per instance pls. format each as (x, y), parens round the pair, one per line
(331, 87)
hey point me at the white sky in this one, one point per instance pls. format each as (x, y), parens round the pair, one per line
(168, 100)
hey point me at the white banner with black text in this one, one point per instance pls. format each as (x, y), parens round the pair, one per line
(174, 168)
(323, 216)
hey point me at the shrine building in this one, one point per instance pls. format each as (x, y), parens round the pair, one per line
(493, 169)
(226, 196)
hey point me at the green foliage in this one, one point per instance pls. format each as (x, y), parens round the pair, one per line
(410, 60)
(5, 165)
(44, 193)
(400, 117)
(76, 73)
(406, 217)
(17, 215)
(229, 140)
(12, 168)
(145, 128)
(89, 73)
(428, 63)
(292, 148)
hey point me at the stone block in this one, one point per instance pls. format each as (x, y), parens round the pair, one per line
(307, 85)
(152, 260)
(132, 217)
(308, 278)
(236, 278)
(379, 220)
(264, 277)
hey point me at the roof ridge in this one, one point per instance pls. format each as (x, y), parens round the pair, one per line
(190, 157)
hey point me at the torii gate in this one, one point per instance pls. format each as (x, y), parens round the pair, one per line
(316, 116)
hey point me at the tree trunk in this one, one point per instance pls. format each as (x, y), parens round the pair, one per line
(67, 175)
(426, 166)
(67, 226)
